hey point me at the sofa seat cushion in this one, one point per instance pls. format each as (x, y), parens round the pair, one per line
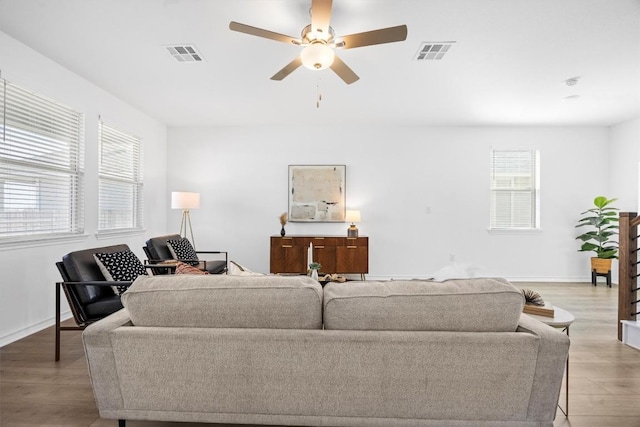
(464, 305)
(220, 301)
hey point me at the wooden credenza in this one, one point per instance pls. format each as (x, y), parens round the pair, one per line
(337, 254)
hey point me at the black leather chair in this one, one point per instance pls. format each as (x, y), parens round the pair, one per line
(89, 295)
(157, 251)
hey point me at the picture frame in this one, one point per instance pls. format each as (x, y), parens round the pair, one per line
(317, 193)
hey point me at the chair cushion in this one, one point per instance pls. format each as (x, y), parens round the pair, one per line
(220, 301)
(465, 305)
(81, 266)
(183, 250)
(120, 266)
(102, 307)
(157, 247)
(215, 266)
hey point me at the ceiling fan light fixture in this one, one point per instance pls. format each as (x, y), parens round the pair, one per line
(317, 56)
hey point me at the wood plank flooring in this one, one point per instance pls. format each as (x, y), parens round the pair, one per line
(604, 373)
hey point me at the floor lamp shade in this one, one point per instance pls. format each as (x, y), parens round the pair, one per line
(185, 201)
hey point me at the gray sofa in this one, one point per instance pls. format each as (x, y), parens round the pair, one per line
(284, 351)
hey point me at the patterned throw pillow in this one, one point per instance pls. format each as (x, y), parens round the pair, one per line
(181, 249)
(183, 268)
(123, 266)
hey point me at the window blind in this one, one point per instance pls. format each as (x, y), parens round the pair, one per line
(514, 189)
(120, 187)
(41, 166)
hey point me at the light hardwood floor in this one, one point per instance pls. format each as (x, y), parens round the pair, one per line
(604, 374)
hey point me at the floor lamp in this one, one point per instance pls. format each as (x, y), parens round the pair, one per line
(185, 201)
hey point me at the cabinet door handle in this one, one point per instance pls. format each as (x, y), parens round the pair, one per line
(287, 246)
(318, 238)
(351, 247)
(318, 247)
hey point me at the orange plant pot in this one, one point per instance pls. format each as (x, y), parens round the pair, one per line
(600, 265)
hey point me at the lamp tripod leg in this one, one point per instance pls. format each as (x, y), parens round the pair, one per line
(193, 242)
(183, 223)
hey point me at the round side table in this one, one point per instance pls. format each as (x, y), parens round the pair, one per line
(561, 319)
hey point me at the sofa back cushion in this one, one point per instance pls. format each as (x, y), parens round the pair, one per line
(464, 305)
(220, 301)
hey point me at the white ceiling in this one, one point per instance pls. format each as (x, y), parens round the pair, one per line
(507, 67)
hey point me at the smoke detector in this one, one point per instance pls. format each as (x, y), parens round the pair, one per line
(572, 81)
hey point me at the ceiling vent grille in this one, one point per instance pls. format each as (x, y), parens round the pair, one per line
(432, 50)
(185, 53)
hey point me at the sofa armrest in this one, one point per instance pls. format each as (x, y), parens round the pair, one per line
(100, 358)
(552, 356)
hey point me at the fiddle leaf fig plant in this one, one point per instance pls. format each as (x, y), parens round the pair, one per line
(603, 223)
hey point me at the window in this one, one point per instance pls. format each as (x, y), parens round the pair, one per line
(41, 170)
(120, 202)
(515, 189)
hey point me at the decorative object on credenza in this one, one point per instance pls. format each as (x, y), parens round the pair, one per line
(283, 222)
(314, 267)
(534, 304)
(317, 193)
(352, 217)
(185, 201)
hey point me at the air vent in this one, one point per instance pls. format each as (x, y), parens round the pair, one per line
(432, 50)
(185, 53)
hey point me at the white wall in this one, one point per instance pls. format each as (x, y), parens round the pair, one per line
(393, 175)
(27, 291)
(623, 165)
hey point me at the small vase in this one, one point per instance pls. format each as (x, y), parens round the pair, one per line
(314, 274)
(282, 232)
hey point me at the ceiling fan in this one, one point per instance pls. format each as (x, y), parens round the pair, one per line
(319, 42)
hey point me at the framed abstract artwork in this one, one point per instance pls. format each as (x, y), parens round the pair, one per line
(317, 193)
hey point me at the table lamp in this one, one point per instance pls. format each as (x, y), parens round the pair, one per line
(185, 201)
(353, 217)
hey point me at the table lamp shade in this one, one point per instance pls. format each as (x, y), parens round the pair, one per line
(353, 216)
(185, 200)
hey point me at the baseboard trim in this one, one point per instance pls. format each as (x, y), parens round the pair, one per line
(584, 279)
(37, 327)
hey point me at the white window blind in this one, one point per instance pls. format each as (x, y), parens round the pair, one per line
(514, 189)
(41, 166)
(120, 190)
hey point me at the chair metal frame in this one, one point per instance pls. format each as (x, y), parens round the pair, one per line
(80, 319)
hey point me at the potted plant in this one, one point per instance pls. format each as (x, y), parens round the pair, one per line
(313, 268)
(603, 223)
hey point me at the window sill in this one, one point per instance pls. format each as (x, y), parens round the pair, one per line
(101, 235)
(26, 242)
(512, 231)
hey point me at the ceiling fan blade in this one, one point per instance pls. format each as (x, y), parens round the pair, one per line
(343, 71)
(254, 31)
(368, 38)
(321, 15)
(288, 69)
